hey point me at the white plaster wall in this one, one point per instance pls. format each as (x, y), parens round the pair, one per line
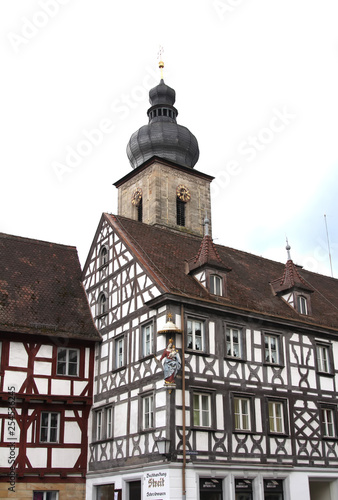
(79, 386)
(72, 433)
(61, 387)
(120, 420)
(42, 385)
(37, 457)
(45, 351)
(65, 457)
(42, 368)
(17, 355)
(14, 378)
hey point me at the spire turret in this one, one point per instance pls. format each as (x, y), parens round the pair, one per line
(163, 137)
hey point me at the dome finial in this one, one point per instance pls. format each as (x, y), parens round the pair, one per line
(160, 63)
(288, 248)
(206, 224)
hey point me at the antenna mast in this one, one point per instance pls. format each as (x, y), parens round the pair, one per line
(328, 245)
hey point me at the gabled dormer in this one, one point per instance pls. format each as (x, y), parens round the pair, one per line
(207, 266)
(292, 288)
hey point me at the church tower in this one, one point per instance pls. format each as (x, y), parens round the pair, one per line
(164, 189)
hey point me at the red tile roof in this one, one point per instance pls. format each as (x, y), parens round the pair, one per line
(41, 290)
(164, 253)
(290, 279)
(207, 255)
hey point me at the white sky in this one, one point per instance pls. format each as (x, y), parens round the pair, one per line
(238, 66)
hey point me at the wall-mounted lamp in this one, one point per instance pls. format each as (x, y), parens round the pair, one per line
(163, 445)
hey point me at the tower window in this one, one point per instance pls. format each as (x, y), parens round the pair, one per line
(180, 212)
(140, 211)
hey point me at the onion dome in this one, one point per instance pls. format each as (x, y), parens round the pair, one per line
(163, 137)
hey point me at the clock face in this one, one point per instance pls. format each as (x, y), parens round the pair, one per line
(183, 193)
(136, 196)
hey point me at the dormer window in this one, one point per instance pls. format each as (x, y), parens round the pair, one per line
(103, 259)
(216, 285)
(302, 304)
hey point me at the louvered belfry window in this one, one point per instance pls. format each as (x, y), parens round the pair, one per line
(180, 212)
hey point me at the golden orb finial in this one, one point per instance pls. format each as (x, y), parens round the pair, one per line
(161, 63)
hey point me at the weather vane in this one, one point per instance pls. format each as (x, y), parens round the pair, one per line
(161, 63)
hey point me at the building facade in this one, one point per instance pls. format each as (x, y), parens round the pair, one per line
(47, 339)
(217, 374)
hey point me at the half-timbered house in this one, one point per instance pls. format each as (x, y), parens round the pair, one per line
(251, 412)
(47, 339)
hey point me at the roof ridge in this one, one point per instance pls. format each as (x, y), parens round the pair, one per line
(36, 241)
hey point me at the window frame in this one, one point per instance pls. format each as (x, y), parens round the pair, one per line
(324, 411)
(204, 338)
(103, 257)
(98, 424)
(324, 347)
(302, 304)
(102, 311)
(109, 422)
(280, 357)
(50, 428)
(249, 399)
(145, 400)
(282, 403)
(143, 328)
(214, 277)
(120, 340)
(67, 374)
(200, 393)
(241, 342)
(44, 493)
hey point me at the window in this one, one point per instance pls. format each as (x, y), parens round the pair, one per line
(49, 428)
(68, 362)
(271, 345)
(102, 304)
(180, 212)
(45, 495)
(328, 422)
(119, 352)
(109, 422)
(140, 211)
(242, 414)
(234, 342)
(276, 416)
(324, 358)
(201, 410)
(99, 425)
(302, 304)
(148, 412)
(105, 492)
(195, 334)
(216, 285)
(103, 259)
(147, 339)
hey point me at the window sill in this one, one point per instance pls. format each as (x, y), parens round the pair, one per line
(237, 431)
(274, 365)
(115, 370)
(199, 353)
(325, 374)
(234, 359)
(278, 434)
(147, 357)
(197, 428)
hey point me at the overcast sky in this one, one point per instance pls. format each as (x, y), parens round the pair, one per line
(256, 82)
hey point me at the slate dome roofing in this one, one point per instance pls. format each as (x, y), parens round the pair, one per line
(163, 137)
